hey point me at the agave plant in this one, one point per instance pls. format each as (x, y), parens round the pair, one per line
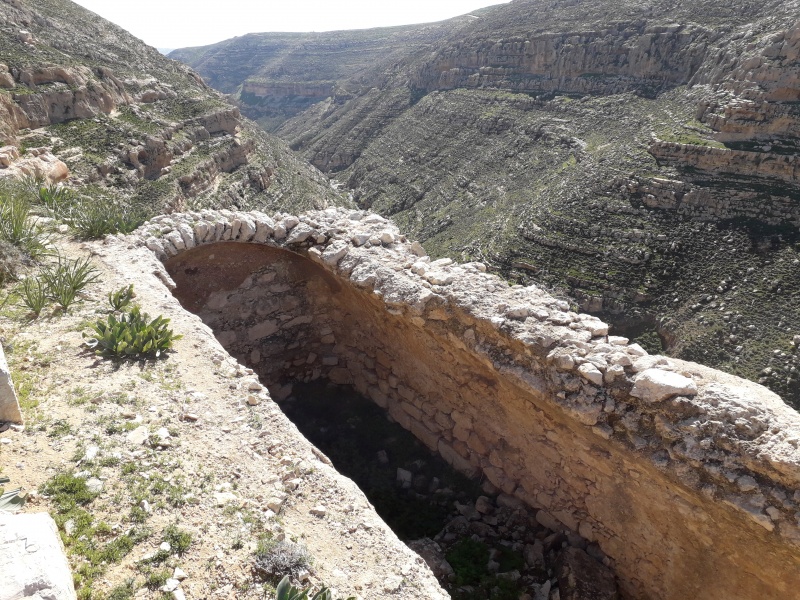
(18, 227)
(120, 299)
(286, 591)
(131, 335)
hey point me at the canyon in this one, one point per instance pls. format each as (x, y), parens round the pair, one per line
(662, 137)
(557, 242)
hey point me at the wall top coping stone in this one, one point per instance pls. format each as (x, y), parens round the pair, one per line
(714, 432)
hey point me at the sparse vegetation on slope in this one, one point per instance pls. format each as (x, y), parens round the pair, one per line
(139, 133)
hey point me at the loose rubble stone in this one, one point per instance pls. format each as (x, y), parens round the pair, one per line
(580, 577)
(94, 485)
(654, 385)
(138, 436)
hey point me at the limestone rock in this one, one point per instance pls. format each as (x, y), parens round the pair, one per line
(138, 436)
(591, 373)
(654, 385)
(32, 559)
(433, 556)
(300, 233)
(9, 405)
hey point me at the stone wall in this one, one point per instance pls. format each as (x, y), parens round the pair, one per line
(679, 477)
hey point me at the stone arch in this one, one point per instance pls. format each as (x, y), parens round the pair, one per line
(683, 476)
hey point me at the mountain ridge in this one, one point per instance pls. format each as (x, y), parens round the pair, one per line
(128, 121)
(634, 157)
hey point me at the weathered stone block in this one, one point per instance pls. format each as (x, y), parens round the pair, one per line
(32, 560)
(378, 397)
(262, 330)
(9, 404)
(412, 410)
(458, 462)
(426, 436)
(654, 385)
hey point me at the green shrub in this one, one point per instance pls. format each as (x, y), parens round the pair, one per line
(65, 279)
(33, 295)
(275, 558)
(178, 539)
(468, 559)
(89, 217)
(286, 591)
(17, 226)
(120, 299)
(155, 579)
(126, 591)
(132, 335)
(68, 491)
(55, 198)
(93, 218)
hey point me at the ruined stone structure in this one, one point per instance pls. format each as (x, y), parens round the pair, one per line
(680, 478)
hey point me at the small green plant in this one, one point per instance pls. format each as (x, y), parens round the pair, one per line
(93, 218)
(274, 558)
(55, 198)
(468, 559)
(126, 591)
(68, 491)
(67, 278)
(59, 429)
(155, 579)
(178, 539)
(120, 299)
(132, 335)
(286, 591)
(33, 294)
(18, 227)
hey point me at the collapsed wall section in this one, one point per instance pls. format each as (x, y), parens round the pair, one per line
(683, 477)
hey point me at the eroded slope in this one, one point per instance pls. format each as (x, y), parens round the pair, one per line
(124, 118)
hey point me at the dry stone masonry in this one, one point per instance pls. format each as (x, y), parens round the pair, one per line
(680, 478)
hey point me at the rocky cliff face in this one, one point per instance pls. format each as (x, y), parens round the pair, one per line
(638, 157)
(121, 117)
(274, 76)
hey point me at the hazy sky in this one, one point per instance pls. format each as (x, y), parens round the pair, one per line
(180, 23)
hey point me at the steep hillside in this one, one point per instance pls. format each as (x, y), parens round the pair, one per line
(123, 118)
(274, 76)
(638, 156)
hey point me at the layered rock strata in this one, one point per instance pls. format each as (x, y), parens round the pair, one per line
(131, 122)
(683, 477)
(634, 155)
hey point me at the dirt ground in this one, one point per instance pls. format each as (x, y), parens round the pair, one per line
(186, 444)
